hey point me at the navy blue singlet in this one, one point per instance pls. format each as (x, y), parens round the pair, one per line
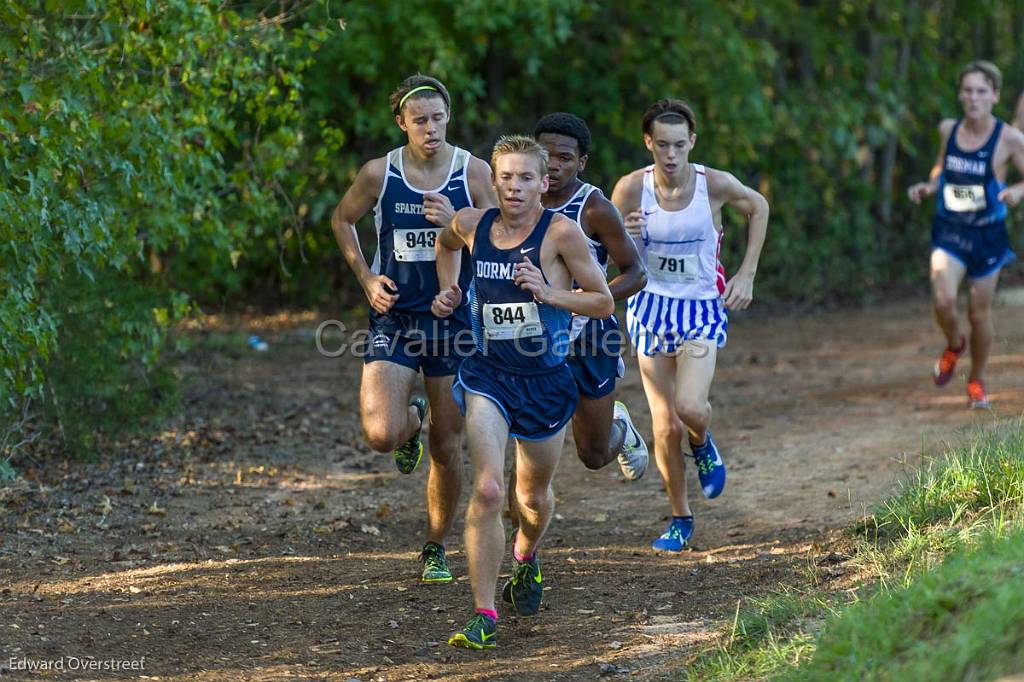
(405, 238)
(512, 330)
(574, 209)
(968, 186)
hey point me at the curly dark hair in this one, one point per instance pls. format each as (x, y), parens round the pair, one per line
(570, 125)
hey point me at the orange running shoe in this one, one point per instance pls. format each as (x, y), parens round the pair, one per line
(976, 397)
(943, 371)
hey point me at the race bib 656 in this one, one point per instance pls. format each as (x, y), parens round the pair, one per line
(964, 198)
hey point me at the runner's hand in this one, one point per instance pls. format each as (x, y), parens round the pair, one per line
(1011, 196)
(739, 292)
(919, 191)
(446, 301)
(438, 209)
(379, 290)
(635, 222)
(528, 276)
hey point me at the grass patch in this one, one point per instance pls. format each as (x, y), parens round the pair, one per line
(767, 635)
(942, 596)
(961, 621)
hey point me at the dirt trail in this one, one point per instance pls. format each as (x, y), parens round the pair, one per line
(258, 539)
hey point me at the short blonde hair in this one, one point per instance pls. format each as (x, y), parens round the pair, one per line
(520, 144)
(988, 70)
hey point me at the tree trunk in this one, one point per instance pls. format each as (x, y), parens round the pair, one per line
(891, 147)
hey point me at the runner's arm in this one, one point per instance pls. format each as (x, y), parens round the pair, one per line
(1013, 194)
(605, 221)
(437, 208)
(739, 291)
(358, 200)
(921, 190)
(481, 184)
(448, 250)
(626, 197)
(592, 297)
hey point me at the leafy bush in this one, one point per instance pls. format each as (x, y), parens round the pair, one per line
(132, 131)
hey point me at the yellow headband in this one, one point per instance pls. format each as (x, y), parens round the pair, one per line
(401, 102)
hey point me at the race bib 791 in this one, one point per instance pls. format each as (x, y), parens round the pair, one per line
(672, 267)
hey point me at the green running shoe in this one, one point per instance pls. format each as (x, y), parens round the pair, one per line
(480, 633)
(435, 566)
(525, 589)
(409, 453)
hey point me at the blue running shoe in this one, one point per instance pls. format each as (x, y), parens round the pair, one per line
(710, 467)
(676, 536)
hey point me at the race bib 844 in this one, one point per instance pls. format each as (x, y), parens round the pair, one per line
(505, 321)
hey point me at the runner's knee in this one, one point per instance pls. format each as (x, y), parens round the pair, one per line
(670, 430)
(487, 494)
(444, 448)
(693, 412)
(380, 435)
(534, 500)
(592, 457)
(945, 302)
(979, 313)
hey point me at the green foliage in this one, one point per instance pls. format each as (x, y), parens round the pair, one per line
(109, 373)
(961, 621)
(941, 561)
(200, 147)
(830, 109)
(971, 491)
(767, 635)
(131, 131)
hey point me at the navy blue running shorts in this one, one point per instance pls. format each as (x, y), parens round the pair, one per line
(595, 358)
(419, 341)
(982, 250)
(536, 406)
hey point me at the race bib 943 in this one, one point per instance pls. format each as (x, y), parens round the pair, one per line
(671, 267)
(964, 198)
(415, 246)
(505, 321)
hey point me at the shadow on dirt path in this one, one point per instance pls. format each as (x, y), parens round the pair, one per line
(258, 539)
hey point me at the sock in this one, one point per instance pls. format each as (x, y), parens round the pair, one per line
(490, 613)
(515, 553)
(961, 347)
(683, 518)
(520, 557)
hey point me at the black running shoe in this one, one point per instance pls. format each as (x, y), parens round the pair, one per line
(525, 589)
(435, 565)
